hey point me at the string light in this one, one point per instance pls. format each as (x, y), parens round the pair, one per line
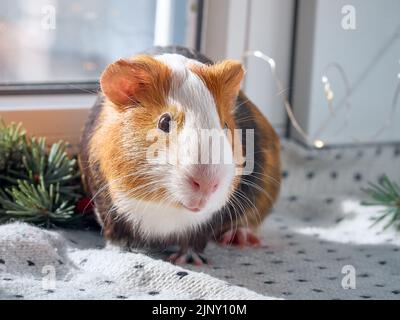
(278, 83)
(327, 87)
(318, 143)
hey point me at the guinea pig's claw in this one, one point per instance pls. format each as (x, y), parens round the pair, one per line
(189, 257)
(240, 237)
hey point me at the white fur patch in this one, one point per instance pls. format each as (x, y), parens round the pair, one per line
(190, 94)
(156, 219)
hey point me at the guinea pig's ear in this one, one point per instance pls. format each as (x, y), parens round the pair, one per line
(130, 82)
(222, 79)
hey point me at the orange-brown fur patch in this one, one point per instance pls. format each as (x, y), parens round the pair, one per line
(140, 80)
(136, 92)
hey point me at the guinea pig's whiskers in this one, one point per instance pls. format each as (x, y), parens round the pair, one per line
(220, 212)
(236, 208)
(264, 176)
(229, 207)
(210, 225)
(114, 208)
(232, 206)
(237, 215)
(109, 215)
(246, 200)
(267, 177)
(236, 108)
(104, 187)
(241, 196)
(144, 190)
(253, 208)
(243, 119)
(251, 184)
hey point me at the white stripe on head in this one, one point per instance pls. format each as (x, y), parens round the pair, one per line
(189, 93)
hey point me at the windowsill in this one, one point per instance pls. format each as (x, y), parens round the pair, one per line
(56, 116)
(46, 102)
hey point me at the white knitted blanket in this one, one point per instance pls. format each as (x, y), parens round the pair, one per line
(39, 264)
(317, 231)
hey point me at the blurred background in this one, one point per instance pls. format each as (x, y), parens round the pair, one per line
(337, 62)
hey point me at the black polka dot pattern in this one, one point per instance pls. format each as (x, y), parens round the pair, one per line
(293, 263)
(30, 263)
(334, 175)
(182, 274)
(310, 175)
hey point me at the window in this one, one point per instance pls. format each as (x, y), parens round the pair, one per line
(63, 45)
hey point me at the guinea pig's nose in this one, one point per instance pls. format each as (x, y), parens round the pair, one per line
(203, 184)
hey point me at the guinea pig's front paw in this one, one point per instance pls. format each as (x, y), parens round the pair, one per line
(240, 237)
(187, 257)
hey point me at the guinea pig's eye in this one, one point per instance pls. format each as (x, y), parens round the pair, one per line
(164, 123)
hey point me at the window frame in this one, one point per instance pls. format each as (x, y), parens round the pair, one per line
(58, 111)
(83, 87)
(18, 89)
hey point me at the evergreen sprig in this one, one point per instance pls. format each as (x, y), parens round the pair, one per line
(38, 184)
(36, 204)
(385, 193)
(11, 142)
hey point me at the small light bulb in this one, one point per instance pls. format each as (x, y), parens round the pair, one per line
(319, 144)
(272, 63)
(329, 95)
(258, 54)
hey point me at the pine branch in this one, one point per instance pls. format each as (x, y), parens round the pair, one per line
(11, 141)
(52, 167)
(38, 184)
(36, 204)
(387, 194)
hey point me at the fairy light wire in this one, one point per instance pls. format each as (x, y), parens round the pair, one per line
(271, 62)
(329, 96)
(388, 122)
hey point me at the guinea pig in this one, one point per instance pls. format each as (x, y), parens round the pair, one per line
(142, 202)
